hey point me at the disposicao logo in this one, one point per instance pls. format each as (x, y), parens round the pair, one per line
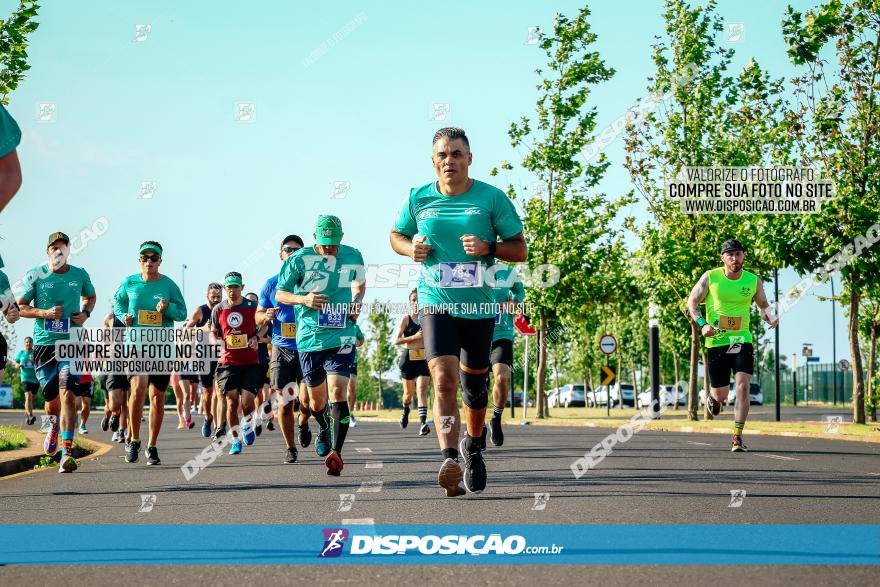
(334, 540)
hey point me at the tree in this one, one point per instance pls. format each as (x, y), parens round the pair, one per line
(381, 352)
(837, 124)
(14, 33)
(567, 226)
(709, 120)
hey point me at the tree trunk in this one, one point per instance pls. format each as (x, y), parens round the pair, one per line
(675, 369)
(592, 386)
(872, 371)
(379, 379)
(542, 368)
(693, 396)
(855, 352)
(632, 369)
(706, 382)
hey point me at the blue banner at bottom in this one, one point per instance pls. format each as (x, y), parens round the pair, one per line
(672, 544)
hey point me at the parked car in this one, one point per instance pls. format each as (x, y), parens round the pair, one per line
(570, 395)
(518, 399)
(669, 394)
(629, 394)
(756, 396)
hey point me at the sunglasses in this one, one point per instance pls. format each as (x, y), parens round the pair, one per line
(289, 250)
(154, 258)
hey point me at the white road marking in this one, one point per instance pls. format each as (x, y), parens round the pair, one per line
(378, 465)
(370, 487)
(699, 443)
(780, 457)
(359, 449)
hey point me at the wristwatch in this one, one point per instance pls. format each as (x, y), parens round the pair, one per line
(493, 246)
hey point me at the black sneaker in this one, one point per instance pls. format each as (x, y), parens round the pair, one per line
(713, 407)
(474, 467)
(482, 439)
(305, 435)
(291, 455)
(105, 423)
(152, 454)
(30, 420)
(258, 429)
(495, 431)
(424, 430)
(270, 425)
(220, 432)
(404, 419)
(114, 422)
(131, 451)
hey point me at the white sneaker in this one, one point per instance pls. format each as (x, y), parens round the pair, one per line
(68, 464)
(352, 422)
(83, 429)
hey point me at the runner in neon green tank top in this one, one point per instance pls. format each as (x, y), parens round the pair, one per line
(728, 292)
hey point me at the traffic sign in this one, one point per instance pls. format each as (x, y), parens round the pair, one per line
(608, 344)
(812, 359)
(610, 374)
(843, 365)
(522, 326)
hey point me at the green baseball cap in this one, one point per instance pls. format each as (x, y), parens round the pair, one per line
(150, 247)
(232, 278)
(328, 230)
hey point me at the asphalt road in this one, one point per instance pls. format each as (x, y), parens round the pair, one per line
(656, 477)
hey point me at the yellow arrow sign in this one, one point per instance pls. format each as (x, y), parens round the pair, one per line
(610, 375)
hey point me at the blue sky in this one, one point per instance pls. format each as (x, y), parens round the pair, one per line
(163, 109)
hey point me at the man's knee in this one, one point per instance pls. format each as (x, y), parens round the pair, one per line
(474, 389)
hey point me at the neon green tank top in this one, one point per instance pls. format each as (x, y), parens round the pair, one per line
(727, 307)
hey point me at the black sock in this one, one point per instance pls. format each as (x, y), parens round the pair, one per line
(449, 453)
(497, 412)
(321, 418)
(406, 407)
(340, 415)
(423, 414)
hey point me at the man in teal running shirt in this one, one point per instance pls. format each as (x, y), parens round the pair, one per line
(453, 226)
(148, 300)
(24, 362)
(52, 294)
(326, 284)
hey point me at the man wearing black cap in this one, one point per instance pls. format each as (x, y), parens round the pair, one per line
(728, 292)
(52, 294)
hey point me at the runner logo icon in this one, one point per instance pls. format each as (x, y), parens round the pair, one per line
(334, 540)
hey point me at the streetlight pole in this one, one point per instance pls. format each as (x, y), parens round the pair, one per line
(183, 280)
(776, 301)
(834, 340)
(654, 346)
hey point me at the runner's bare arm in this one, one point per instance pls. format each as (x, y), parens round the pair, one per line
(358, 291)
(513, 249)
(697, 297)
(398, 334)
(194, 318)
(764, 305)
(404, 245)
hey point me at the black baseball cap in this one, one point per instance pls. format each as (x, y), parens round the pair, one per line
(731, 245)
(57, 236)
(293, 238)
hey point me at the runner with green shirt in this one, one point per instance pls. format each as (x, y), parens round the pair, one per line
(326, 283)
(452, 227)
(352, 381)
(728, 292)
(508, 291)
(148, 300)
(24, 362)
(10, 311)
(52, 294)
(10, 168)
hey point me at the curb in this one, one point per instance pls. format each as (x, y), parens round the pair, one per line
(22, 466)
(692, 429)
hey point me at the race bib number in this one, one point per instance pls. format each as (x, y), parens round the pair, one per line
(730, 322)
(58, 325)
(149, 318)
(416, 354)
(463, 274)
(288, 330)
(327, 319)
(236, 341)
(499, 319)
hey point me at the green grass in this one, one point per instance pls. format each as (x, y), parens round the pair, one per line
(11, 438)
